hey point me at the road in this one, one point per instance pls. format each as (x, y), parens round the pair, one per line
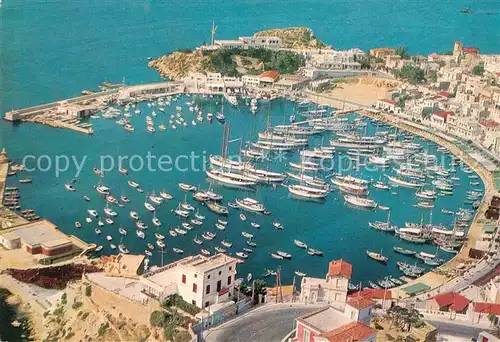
(455, 331)
(268, 323)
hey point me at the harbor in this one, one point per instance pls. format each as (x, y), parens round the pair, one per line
(268, 239)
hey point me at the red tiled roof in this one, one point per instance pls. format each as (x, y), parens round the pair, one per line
(443, 115)
(373, 294)
(470, 49)
(487, 308)
(444, 94)
(489, 123)
(388, 101)
(360, 302)
(351, 332)
(454, 300)
(339, 267)
(270, 73)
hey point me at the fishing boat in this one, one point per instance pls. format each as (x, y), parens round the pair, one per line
(187, 187)
(217, 208)
(360, 201)
(377, 256)
(242, 255)
(404, 251)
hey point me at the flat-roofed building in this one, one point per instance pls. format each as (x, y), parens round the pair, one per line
(382, 52)
(269, 78)
(199, 280)
(270, 42)
(41, 239)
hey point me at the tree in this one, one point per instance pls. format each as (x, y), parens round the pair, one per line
(402, 51)
(157, 318)
(432, 76)
(411, 73)
(259, 288)
(478, 70)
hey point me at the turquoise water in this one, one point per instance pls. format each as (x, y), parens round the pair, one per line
(54, 49)
(336, 229)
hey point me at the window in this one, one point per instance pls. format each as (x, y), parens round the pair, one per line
(193, 302)
(206, 304)
(220, 272)
(195, 287)
(195, 275)
(306, 335)
(183, 278)
(219, 285)
(229, 280)
(208, 276)
(353, 315)
(208, 289)
(230, 268)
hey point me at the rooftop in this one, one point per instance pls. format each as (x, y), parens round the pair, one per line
(487, 308)
(324, 319)
(373, 294)
(443, 114)
(40, 232)
(273, 74)
(340, 268)
(354, 331)
(454, 300)
(416, 288)
(388, 101)
(489, 123)
(360, 303)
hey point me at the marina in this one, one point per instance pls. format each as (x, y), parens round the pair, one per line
(294, 205)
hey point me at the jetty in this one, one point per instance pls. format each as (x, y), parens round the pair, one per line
(69, 113)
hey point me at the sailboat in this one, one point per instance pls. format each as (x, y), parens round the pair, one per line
(377, 256)
(383, 226)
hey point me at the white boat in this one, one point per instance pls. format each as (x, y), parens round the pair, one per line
(97, 231)
(299, 243)
(360, 201)
(172, 233)
(148, 206)
(196, 222)
(124, 199)
(99, 248)
(407, 183)
(109, 221)
(92, 213)
(165, 195)
(156, 221)
(187, 226)
(226, 244)
(103, 190)
(227, 163)
(242, 255)
(277, 225)
(250, 204)
(230, 178)
(180, 231)
(243, 217)
(155, 199)
(197, 241)
(88, 220)
(178, 250)
(247, 235)
(123, 249)
(108, 211)
(122, 231)
(109, 237)
(379, 160)
(112, 246)
(255, 225)
(307, 191)
(123, 170)
(187, 187)
(133, 184)
(134, 215)
(141, 225)
(69, 187)
(78, 224)
(284, 254)
(159, 236)
(381, 185)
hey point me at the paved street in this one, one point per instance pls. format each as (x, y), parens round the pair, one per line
(269, 323)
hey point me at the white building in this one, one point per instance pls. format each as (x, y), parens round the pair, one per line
(332, 289)
(251, 81)
(199, 280)
(273, 43)
(335, 60)
(386, 105)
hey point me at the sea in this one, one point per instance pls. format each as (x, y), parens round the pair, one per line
(53, 49)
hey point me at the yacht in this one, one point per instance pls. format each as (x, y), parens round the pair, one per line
(187, 187)
(227, 163)
(360, 201)
(230, 178)
(217, 208)
(165, 195)
(307, 191)
(250, 204)
(299, 244)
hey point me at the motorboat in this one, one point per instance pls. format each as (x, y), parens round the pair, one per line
(108, 211)
(247, 235)
(196, 222)
(112, 246)
(69, 187)
(187, 187)
(134, 215)
(226, 244)
(312, 251)
(155, 199)
(88, 220)
(97, 231)
(255, 225)
(159, 236)
(165, 195)
(132, 184)
(123, 249)
(148, 206)
(86, 198)
(148, 253)
(156, 221)
(404, 251)
(284, 254)
(99, 248)
(109, 237)
(220, 226)
(123, 170)
(197, 241)
(276, 256)
(277, 225)
(93, 213)
(141, 225)
(299, 244)
(172, 233)
(178, 250)
(103, 190)
(78, 224)
(180, 231)
(122, 231)
(124, 199)
(187, 226)
(219, 249)
(109, 221)
(381, 185)
(242, 255)
(243, 217)
(205, 252)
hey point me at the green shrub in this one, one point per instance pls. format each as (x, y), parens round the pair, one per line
(84, 315)
(70, 335)
(157, 318)
(59, 311)
(88, 291)
(76, 305)
(182, 336)
(177, 301)
(102, 328)
(169, 332)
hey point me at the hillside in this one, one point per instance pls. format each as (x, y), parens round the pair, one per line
(178, 64)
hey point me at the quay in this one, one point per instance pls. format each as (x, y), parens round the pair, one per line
(69, 113)
(437, 282)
